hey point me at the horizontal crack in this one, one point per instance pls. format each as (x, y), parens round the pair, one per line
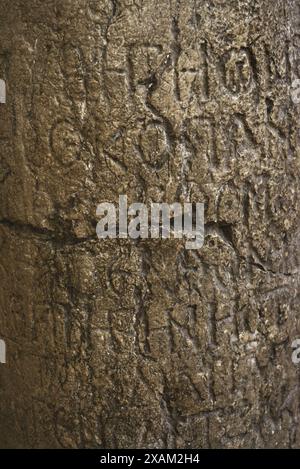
(45, 233)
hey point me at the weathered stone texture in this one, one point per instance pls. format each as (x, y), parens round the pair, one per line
(124, 344)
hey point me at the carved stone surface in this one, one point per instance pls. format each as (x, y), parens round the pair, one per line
(123, 343)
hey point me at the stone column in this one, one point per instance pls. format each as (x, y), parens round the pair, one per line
(124, 343)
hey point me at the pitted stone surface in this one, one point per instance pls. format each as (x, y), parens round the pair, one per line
(122, 343)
